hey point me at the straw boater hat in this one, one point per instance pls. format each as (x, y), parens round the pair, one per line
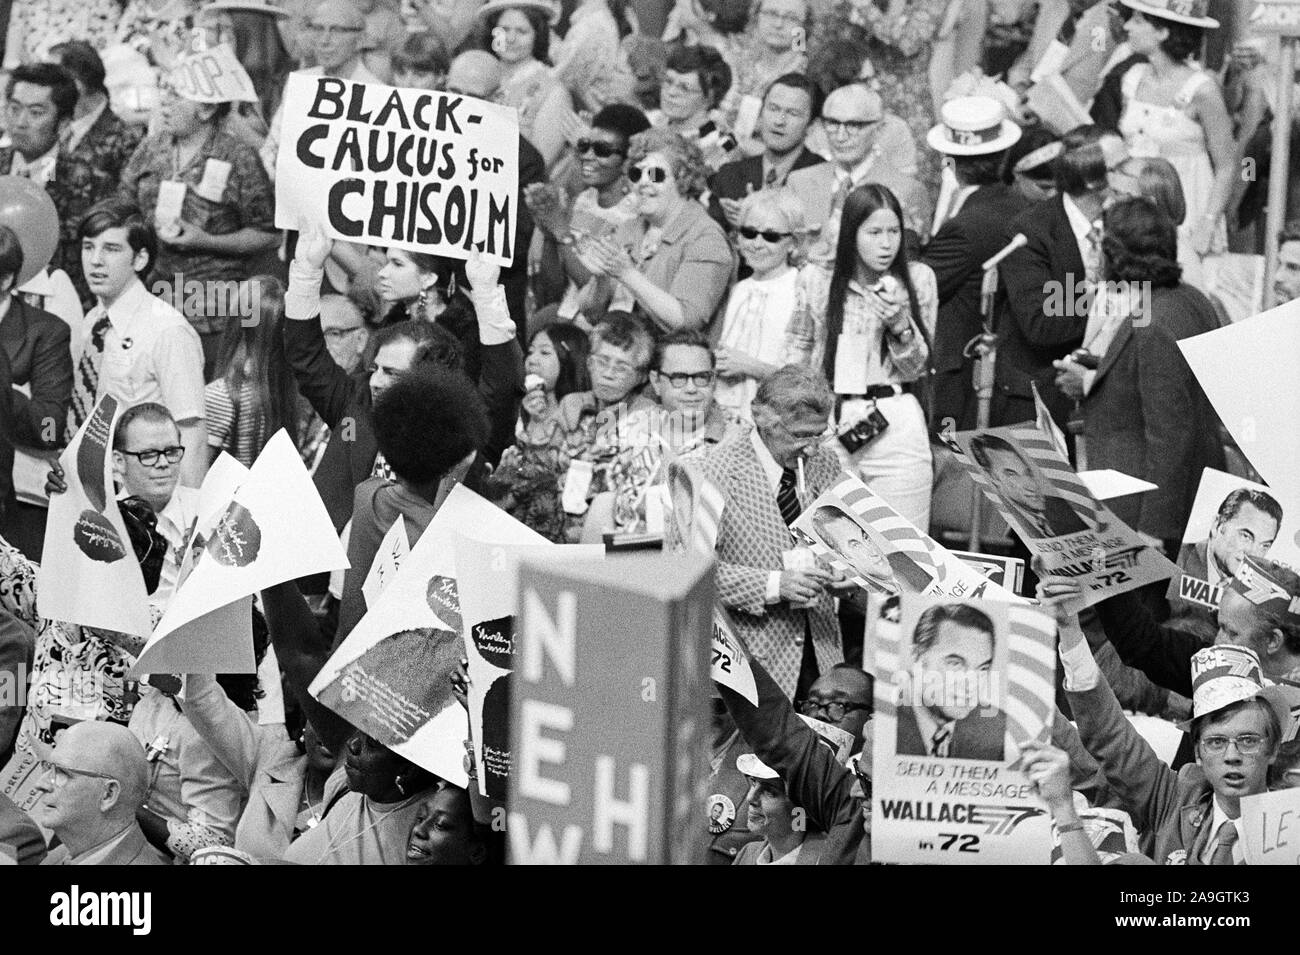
(1224, 675)
(269, 7)
(972, 126)
(551, 10)
(1191, 12)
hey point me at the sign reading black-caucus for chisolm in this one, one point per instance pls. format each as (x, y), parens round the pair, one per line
(412, 169)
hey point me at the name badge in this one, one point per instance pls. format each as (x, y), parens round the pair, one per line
(216, 173)
(167, 211)
(576, 484)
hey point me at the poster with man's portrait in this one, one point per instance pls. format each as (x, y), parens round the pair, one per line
(1231, 519)
(1029, 481)
(960, 685)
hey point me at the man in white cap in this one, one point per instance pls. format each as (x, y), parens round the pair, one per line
(974, 135)
(781, 826)
(1190, 816)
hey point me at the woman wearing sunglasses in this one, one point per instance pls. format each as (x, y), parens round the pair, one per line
(673, 263)
(869, 328)
(751, 346)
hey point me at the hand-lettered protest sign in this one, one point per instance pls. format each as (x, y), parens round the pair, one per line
(400, 168)
(391, 676)
(89, 573)
(1231, 519)
(1040, 496)
(274, 529)
(213, 75)
(609, 711)
(393, 550)
(946, 737)
(487, 578)
(1270, 828)
(852, 529)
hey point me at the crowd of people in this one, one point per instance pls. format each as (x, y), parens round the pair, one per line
(751, 239)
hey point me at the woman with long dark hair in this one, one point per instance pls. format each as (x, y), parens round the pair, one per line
(254, 394)
(869, 329)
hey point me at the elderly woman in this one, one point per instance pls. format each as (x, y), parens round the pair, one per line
(695, 82)
(209, 198)
(673, 263)
(518, 33)
(751, 345)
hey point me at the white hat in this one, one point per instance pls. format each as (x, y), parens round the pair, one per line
(1225, 674)
(755, 768)
(552, 10)
(246, 6)
(1191, 12)
(972, 126)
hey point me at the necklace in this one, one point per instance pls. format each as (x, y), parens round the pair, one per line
(379, 817)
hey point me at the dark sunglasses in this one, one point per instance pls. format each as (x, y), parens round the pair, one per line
(769, 235)
(601, 150)
(655, 174)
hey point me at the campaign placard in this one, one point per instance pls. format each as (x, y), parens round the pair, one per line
(960, 685)
(399, 168)
(1036, 491)
(1270, 828)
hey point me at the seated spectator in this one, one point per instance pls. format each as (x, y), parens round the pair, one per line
(673, 263)
(696, 80)
(778, 46)
(96, 777)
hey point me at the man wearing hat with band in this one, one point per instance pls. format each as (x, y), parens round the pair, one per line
(974, 135)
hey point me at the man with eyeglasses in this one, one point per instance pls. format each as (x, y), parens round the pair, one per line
(865, 144)
(683, 377)
(843, 697)
(789, 108)
(96, 777)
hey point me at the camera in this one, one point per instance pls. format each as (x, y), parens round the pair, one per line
(864, 432)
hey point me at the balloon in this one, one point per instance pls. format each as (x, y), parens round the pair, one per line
(28, 209)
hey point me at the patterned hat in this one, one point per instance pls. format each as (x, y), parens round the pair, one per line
(1258, 582)
(1191, 12)
(1224, 675)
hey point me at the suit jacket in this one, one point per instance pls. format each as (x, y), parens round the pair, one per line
(1194, 559)
(812, 852)
(974, 736)
(134, 849)
(1060, 517)
(1146, 414)
(955, 254)
(37, 346)
(736, 179)
(1029, 339)
(816, 185)
(19, 835)
(1162, 652)
(751, 539)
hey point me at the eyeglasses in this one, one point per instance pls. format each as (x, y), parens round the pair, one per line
(337, 333)
(836, 709)
(854, 126)
(702, 379)
(656, 174)
(1248, 744)
(332, 29)
(149, 457)
(605, 363)
(63, 774)
(806, 437)
(770, 236)
(601, 150)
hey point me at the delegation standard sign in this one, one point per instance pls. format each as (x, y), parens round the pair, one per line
(411, 169)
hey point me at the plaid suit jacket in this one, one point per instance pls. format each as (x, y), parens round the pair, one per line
(751, 539)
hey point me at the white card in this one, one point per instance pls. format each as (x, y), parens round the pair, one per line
(576, 484)
(392, 552)
(851, 364)
(171, 202)
(216, 173)
(747, 117)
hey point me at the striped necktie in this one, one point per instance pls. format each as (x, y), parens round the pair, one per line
(85, 389)
(787, 497)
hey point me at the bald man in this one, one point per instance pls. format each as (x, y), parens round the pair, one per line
(865, 144)
(477, 73)
(96, 778)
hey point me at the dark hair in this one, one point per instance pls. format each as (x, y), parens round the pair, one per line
(624, 331)
(801, 82)
(622, 119)
(260, 344)
(116, 214)
(689, 337)
(1290, 232)
(63, 91)
(726, 16)
(427, 421)
(1183, 41)
(145, 411)
(540, 23)
(858, 207)
(1035, 137)
(1272, 728)
(1140, 244)
(1240, 497)
(980, 170)
(243, 689)
(982, 444)
(839, 62)
(963, 615)
(11, 254)
(709, 68)
(1081, 167)
(81, 60)
(422, 52)
(572, 346)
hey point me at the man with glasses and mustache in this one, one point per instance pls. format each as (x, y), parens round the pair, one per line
(96, 778)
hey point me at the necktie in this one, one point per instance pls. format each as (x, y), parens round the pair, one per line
(787, 497)
(86, 388)
(841, 193)
(941, 740)
(1223, 848)
(1093, 264)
